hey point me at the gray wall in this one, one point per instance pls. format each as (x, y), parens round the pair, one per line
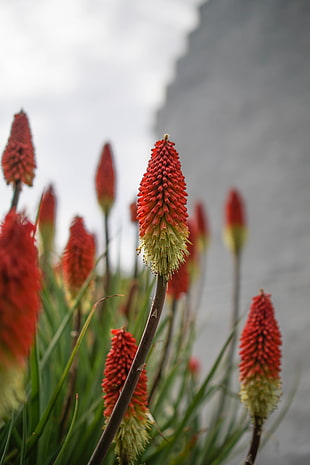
(239, 112)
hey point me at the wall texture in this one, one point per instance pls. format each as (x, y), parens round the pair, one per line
(239, 112)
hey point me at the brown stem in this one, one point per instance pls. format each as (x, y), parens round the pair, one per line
(122, 403)
(16, 193)
(165, 352)
(257, 432)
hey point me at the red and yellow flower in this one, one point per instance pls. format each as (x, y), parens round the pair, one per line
(235, 229)
(20, 283)
(162, 212)
(105, 179)
(18, 159)
(132, 435)
(260, 355)
(79, 256)
(47, 219)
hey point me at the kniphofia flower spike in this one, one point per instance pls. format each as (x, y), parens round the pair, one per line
(162, 212)
(20, 283)
(47, 219)
(105, 179)
(79, 256)
(260, 355)
(132, 435)
(18, 159)
(235, 229)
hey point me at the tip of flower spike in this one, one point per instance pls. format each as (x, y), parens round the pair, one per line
(161, 211)
(18, 158)
(235, 229)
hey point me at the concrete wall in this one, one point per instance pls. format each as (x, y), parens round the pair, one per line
(239, 112)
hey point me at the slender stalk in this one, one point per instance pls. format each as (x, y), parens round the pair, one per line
(72, 373)
(235, 307)
(107, 258)
(165, 352)
(16, 192)
(257, 432)
(133, 375)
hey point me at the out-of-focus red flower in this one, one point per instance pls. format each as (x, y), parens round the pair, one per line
(194, 366)
(47, 218)
(20, 283)
(202, 226)
(105, 179)
(133, 212)
(260, 355)
(79, 256)
(162, 212)
(18, 158)
(179, 282)
(132, 435)
(235, 230)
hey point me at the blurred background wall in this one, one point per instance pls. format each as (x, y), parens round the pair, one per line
(239, 112)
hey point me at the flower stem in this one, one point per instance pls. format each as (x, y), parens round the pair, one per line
(257, 432)
(16, 193)
(107, 258)
(122, 403)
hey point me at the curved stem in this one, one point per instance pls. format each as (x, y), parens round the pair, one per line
(133, 375)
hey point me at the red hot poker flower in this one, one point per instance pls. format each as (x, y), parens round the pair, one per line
(132, 435)
(47, 216)
(260, 355)
(162, 212)
(20, 283)
(179, 282)
(133, 212)
(18, 158)
(79, 256)
(105, 179)
(202, 225)
(235, 231)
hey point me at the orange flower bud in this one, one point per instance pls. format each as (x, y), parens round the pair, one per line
(202, 226)
(46, 219)
(18, 158)
(235, 231)
(105, 179)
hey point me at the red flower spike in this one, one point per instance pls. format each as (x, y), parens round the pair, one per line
(18, 158)
(79, 256)
(194, 366)
(202, 226)
(162, 212)
(235, 231)
(105, 179)
(179, 282)
(133, 212)
(260, 355)
(47, 218)
(136, 420)
(20, 283)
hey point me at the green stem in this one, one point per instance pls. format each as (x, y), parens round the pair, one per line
(107, 258)
(133, 375)
(257, 432)
(16, 193)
